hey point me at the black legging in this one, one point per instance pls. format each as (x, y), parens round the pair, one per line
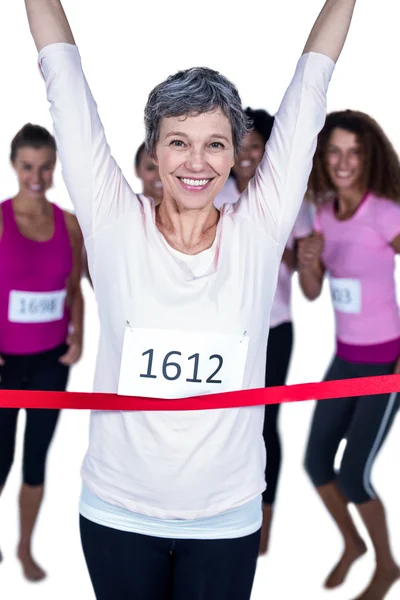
(124, 565)
(279, 351)
(363, 421)
(42, 372)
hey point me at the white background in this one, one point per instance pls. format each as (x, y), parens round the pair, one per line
(127, 48)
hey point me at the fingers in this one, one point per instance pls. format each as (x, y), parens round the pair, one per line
(72, 355)
(307, 252)
(2, 361)
(65, 359)
(310, 249)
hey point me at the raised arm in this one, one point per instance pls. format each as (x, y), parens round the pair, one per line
(95, 184)
(48, 23)
(330, 29)
(275, 194)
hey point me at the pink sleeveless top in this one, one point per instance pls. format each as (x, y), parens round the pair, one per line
(33, 281)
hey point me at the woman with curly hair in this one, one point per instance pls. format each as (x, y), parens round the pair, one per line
(355, 183)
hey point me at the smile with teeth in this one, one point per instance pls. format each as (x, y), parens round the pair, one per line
(36, 188)
(343, 174)
(245, 163)
(194, 182)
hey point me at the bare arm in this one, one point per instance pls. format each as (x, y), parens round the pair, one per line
(74, 294)
(396, 244)
(311, 279)
(310, 267)
(75, 336)
(95, 184)
(48, 23)
(289, 258)
(396, 247)
(85, 267)
(330, 29)
(274, 195)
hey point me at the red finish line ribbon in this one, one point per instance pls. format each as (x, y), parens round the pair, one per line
(343, 388)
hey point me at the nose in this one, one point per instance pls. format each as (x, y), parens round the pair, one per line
(343, 161)
(195, 161)
(37, 177)
(244, 153)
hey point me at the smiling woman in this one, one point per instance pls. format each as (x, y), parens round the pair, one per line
(356, 184)
(171, 503)
(194, 154)
(41, 315)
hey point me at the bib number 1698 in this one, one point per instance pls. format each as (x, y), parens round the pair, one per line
(172, 370)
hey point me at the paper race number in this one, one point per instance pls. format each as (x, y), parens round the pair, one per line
(162, 363)
(346, 295)
(36, 307)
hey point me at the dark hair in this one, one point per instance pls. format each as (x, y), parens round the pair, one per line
(381, 173)
(32, 136)
(261, 122)
(139, 152)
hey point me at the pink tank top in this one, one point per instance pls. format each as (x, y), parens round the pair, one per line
(33, 281)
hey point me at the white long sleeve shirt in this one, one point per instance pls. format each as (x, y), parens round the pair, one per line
(151, 298)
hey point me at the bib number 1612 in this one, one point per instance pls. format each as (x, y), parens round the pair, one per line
(158, 363)
(172, 370)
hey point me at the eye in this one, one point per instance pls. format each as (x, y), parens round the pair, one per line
(177, 143)
(217, 145)
(27, 167)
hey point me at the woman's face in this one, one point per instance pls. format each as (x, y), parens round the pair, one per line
(249, 157)
(147, 171)
(344, 160)
(195, 154)
(34, 168)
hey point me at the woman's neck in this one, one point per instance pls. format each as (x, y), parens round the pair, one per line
(348, 201)
(242, 184)
(187, 230)
(30, 206)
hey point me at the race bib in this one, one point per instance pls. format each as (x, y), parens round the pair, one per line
(36, 307)
(160, 363)
(346, 295)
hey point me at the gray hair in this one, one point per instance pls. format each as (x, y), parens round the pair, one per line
(194, 91)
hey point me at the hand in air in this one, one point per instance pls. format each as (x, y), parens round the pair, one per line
(2, 363)
(310, 249)
(74, 351)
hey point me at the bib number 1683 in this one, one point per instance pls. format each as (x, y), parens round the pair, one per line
(346, 295)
